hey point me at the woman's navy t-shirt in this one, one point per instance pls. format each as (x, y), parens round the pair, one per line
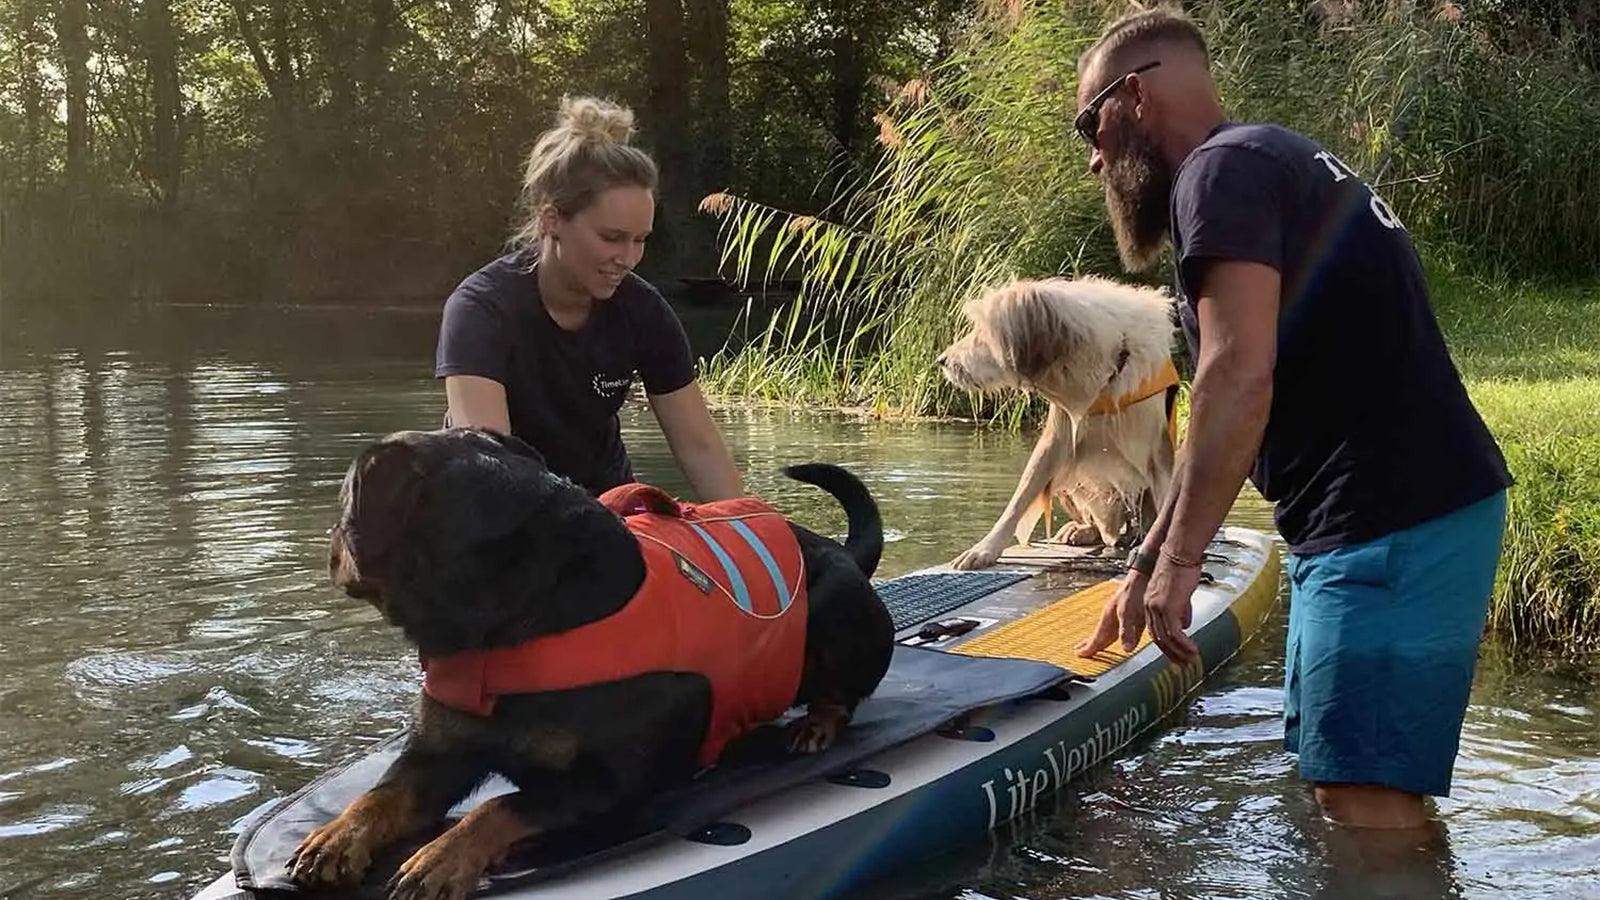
(1371, 429)
(564, 388)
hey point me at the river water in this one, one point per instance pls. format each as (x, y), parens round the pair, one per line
(173, 658)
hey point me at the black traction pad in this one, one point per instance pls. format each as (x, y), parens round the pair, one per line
(914, 599)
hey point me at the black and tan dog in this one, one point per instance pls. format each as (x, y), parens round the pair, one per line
(465, 541)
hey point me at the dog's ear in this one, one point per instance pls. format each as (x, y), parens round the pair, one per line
(1032, 336)
(382, 492)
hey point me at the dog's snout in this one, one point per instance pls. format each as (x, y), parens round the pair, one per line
(940, 361)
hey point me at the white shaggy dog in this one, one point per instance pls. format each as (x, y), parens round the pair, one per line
(1101, 353)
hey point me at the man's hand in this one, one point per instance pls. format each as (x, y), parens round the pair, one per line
(1123, 614)
(1164, 601)
(1168, 603)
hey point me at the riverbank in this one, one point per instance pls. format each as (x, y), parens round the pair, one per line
(1531, 357)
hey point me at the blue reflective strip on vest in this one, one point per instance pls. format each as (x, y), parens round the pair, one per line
(779, 587)
(741, 594)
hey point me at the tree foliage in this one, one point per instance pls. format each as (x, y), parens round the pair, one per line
(312, 148)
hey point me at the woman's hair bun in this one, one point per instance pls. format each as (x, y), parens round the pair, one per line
(594, 119)
(585, 153)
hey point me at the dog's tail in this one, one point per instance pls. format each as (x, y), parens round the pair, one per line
(865, 541)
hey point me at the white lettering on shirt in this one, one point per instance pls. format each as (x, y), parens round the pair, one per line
(1382, 211)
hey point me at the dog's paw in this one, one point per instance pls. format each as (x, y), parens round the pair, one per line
(1078, 534)
(338, 853)
(810, 736)
(441, 870)
(817, 729)
(982, 555)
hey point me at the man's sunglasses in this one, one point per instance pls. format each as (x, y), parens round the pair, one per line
(1087, 122)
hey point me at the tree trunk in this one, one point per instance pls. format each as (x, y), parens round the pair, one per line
(375, 50)
(166, 152)
(32, 95)
(278, 75)
(18, 185)
(708, 49)
(847, 88)
(73, 36)
(667, 122)
(337, 53)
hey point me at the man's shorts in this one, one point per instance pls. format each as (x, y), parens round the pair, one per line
(1383, 639)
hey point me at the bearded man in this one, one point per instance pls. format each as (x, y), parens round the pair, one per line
(1322, 374)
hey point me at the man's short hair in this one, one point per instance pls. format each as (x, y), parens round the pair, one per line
(1140, 30)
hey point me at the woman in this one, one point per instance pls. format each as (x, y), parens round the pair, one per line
(545, 342)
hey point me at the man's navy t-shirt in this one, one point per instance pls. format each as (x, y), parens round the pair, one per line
(563, 388)
(1371, 429)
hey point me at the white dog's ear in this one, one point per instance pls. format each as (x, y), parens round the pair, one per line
(1031, 336)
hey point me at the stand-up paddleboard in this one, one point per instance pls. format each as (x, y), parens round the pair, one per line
(986, 712)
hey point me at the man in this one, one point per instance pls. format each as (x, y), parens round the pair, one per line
(1322, 374)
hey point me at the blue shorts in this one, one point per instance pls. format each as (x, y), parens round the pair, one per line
(1383, 639)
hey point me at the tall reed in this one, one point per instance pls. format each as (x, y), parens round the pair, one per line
(1486, 156)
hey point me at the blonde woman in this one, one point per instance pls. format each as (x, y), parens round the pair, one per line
(545, 342)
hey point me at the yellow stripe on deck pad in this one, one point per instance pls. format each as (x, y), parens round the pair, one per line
(1051, 634)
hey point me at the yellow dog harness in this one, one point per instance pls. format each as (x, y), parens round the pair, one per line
(1164, 378)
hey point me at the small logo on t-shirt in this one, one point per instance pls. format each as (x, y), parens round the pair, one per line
(608, 388)
(692, 572)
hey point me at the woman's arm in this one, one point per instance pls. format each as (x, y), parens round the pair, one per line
(475, 401)
(697, 443)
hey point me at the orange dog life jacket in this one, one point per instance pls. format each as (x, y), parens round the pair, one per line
(724, 595)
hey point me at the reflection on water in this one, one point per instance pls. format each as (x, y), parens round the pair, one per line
(173, 659)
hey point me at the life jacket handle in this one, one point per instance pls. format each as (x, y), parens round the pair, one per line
(634, 499)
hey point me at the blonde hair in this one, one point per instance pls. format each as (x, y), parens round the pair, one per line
(586, 153)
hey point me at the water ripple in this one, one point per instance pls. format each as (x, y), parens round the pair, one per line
(177, 661)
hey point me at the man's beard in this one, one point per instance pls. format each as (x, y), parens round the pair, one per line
(1138, 189)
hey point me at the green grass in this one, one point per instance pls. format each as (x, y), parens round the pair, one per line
(1501, 330)
(1531, 357)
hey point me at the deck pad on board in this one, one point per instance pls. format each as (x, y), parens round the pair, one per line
(1052, 633)
(914, 599)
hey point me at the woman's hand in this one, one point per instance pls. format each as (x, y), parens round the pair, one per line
(697, 443)
(476, 402)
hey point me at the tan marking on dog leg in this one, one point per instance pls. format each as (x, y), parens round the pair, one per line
(818, 729)
(340, 852)
(1047, 495)
(551, 749)
(450, 866)
(1039, 508)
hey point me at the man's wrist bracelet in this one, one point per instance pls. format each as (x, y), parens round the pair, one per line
(1182, 562)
